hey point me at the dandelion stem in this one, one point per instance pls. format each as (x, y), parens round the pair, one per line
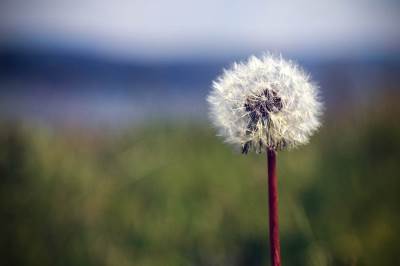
(273, 209)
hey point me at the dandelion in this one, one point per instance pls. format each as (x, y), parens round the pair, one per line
(267, 105)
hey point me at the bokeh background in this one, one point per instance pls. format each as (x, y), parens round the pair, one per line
(107, 156)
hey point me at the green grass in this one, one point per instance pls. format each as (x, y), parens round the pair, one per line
(174, 194)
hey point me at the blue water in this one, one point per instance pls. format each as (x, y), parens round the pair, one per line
(71, 88)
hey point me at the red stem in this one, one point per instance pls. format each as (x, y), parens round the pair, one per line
(273, 209)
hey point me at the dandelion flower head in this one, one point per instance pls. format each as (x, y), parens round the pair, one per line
(265, 102)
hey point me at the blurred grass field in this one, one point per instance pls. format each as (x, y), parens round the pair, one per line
(171, 193)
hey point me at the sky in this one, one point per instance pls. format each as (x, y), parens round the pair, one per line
(187, 28)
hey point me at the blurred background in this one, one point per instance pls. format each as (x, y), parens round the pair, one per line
(107, 156)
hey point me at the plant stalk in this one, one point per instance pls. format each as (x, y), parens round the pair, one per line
(273, 209)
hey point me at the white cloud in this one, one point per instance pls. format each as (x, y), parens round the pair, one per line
(168, 27)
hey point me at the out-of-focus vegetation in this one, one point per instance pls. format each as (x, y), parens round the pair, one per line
(173, 194)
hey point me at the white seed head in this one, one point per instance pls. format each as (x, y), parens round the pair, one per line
(264, 103)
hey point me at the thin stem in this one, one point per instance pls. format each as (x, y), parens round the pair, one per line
(273, 209)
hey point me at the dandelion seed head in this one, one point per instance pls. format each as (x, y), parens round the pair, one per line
(265, 102)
